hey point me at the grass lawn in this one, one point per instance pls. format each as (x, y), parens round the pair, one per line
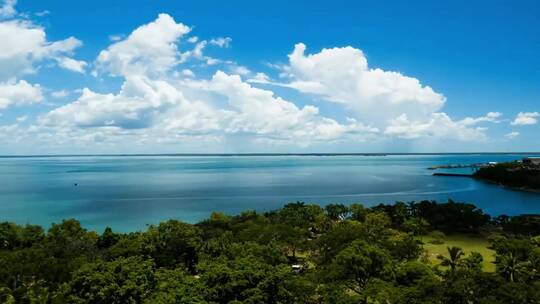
(466, 242)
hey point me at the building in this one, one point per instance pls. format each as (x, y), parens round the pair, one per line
(532, 160)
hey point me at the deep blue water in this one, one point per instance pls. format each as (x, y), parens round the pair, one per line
(127, 193)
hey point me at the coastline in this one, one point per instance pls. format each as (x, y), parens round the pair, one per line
(523, 189)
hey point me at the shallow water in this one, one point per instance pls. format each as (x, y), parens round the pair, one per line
(127, 193)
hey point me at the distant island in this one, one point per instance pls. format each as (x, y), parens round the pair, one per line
(523, 175)
(418, 252)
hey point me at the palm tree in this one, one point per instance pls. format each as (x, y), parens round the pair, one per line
(453, 259)
(510, 266)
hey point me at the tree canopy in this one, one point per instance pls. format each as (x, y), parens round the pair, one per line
(301, 253)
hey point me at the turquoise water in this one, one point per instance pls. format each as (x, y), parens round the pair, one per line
(127, 193)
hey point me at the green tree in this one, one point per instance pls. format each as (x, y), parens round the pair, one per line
(328, 245)
(416, 226)
(375, 226)
(176, 286)
(107, 239)
(454, 257)
(358, 212)
(173, 242)
(337, 211)
(359, 264)
(124, 280)
(473, 262)
(510, 267)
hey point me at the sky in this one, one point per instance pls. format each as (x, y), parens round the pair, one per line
(157, 76)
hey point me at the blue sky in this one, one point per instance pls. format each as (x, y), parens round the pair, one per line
(274, 76)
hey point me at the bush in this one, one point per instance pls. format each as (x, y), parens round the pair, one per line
(438, 237)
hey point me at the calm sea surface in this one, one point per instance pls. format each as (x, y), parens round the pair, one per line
(127, 193)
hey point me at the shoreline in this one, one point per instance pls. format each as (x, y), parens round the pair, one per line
(523, 189)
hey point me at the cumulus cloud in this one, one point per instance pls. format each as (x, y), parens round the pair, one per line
(150, 49)
(525, 118)
(398, 104)
(134, 107)
(342, 75)
(19, 93)
(155, 105)
(259, 111)
(163, 100)
(225, 105)
(25, 44)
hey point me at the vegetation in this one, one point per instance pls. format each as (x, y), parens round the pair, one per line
(301, 253)
(469, 243)
(514, 174)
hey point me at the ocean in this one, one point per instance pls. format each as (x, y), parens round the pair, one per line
(128, 193)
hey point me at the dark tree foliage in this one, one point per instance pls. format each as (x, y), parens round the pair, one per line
(450, 217)
(302, 253)
(514, 174)
(522, 224)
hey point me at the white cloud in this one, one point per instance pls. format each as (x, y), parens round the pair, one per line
(511, 135)
(221, 41)
(240, 70)
(115, 38)
(198, 53)
(24, 44)
(72, 64)
(134, 107)
(19, 93)
(258, 111)
(438, 125)
(7, 9)
(188, 73)
(212, 61)
(22, 118)
(150, 49)
(489, 117)
(193, 39)
(261, 78)
(398, 104)
(230, 107)
(59, 94)
(342, 75)
(162, 100)
(42, 13)
(525, 118)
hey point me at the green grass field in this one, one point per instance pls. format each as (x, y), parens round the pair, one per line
(466, 242)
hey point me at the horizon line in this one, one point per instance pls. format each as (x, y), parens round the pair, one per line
(263, 154)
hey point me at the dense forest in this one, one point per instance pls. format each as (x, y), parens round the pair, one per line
(514, 174)
(301, 253)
